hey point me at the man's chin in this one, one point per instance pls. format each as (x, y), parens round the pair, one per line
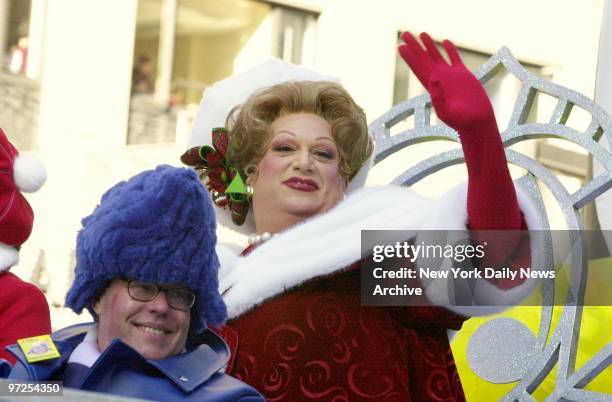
(153, 349)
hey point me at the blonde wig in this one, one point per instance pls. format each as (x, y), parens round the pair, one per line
(249, 123)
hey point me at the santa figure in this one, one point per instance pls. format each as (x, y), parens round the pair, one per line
(24, 311)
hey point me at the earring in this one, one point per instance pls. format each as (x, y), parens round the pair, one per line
(249, 191)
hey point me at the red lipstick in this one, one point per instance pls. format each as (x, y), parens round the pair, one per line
(300, 184)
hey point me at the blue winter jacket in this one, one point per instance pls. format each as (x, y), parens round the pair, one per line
(196, 375)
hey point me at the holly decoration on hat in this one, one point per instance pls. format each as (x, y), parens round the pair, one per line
(221, 178)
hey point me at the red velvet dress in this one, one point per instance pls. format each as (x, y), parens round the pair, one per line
(315, 342)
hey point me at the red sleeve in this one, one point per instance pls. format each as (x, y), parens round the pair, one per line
(492, 204)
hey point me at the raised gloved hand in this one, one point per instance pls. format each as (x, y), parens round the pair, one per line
(461, 102)
(458, 97)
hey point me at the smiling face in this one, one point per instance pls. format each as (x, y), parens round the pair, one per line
(299, 175)
(153, 328)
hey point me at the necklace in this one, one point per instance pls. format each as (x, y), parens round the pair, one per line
(258, 238)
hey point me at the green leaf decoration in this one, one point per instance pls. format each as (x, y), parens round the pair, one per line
(236, 186)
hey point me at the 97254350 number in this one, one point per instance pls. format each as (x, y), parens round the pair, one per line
(31, 388)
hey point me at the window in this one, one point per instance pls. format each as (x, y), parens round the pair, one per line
(21, 23)
(183, 46)
(16, 35)
(295, 35)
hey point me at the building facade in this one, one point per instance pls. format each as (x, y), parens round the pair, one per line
(102, 89)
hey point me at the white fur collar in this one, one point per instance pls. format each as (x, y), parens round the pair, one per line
(331, 242)
(288, 260)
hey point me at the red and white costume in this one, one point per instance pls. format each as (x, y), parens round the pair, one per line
(24, 311)
(297, 329)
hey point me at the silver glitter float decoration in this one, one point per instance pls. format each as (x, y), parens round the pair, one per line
(552, 346)
(508, 341)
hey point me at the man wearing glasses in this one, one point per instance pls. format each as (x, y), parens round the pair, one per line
(147, 271)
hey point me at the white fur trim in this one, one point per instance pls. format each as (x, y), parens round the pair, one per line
(228, 257)
(9, 256)
(29, 173)
(490, 299)
(288, 260)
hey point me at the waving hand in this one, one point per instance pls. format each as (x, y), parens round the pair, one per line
(461, 102)
(458, 97)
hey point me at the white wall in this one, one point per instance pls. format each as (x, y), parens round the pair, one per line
(603, 96)
(356, 41)
(85, 84)
(357, 38)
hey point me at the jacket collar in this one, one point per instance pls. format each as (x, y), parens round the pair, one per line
(187, 370)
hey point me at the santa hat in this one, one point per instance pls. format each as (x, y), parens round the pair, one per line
(17, 174)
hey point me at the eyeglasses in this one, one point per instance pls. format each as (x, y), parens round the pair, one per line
(178, 298)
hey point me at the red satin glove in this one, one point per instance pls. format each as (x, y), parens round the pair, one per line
(461, 102)
(458, 97)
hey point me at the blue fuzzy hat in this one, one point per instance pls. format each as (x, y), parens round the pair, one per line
(159, 227)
